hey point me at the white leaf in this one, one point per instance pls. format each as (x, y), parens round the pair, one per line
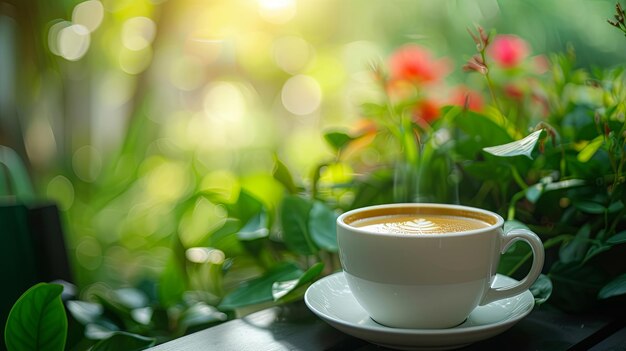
(520, 147)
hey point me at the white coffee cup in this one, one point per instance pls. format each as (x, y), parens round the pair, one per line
(428, 280)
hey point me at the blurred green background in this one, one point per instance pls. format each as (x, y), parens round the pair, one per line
(124, 109)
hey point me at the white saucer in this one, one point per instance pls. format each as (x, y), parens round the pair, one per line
(330, 298)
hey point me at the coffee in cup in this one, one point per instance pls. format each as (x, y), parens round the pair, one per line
(427, 265)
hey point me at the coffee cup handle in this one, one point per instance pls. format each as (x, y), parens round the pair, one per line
(494, 294)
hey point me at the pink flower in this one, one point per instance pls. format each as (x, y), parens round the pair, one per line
(508, 50)
(416, 64)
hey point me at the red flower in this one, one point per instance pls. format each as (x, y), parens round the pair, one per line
(513, 91)
(465, 97)
(427, 110)
(416, 64)
(508, 50)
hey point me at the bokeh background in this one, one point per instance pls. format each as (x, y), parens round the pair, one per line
(125, 108)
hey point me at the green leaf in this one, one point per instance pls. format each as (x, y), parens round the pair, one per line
(369, 109)
(576, 286)
(520, 147)
(256, 228)
(534, 192)
(198, 315)
(281, 289)
(102, 329)
(323, 226)
(595, 250)
(37, 320)
(131, 298)
(376, 188)
(85, 312)
(541, 289)
(260, 289)
(338, 140)
(588, 151)
(172, 283)
(618, 238)
(124, 341)
(615, 287)
(247, 206)
(589, 206)
(294, 215)
(225, 238)
(615, 206)
(576, 249)
(513, 224)
(282, 175)
(480, 131)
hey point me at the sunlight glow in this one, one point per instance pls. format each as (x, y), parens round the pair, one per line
(292, 53)
(205, 255)
(61, 190)
(87, 163)
(277, 11)
(40, 143)
(73, 42)
(53, 35)
(138, 33)
(301, 95)
(89, 14)
(187, 73)
(226, 102)
(135, 61)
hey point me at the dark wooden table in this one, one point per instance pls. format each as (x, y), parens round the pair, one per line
(294, 327)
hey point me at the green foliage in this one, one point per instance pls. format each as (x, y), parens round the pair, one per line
(260, 289)
(338, 140)
(549, 157)
(37, 321)
(295, 214)
(541, 289)
(124, 341)
(615, 287)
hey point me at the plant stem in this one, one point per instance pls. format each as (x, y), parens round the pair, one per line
(546, 245)
(518, 178)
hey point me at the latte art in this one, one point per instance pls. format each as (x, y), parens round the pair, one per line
(419, 224)
(416, 226)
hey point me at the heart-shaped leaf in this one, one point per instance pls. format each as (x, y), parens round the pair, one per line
(37, 320)
(124, 341)
(338, 140)
(520, 147)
